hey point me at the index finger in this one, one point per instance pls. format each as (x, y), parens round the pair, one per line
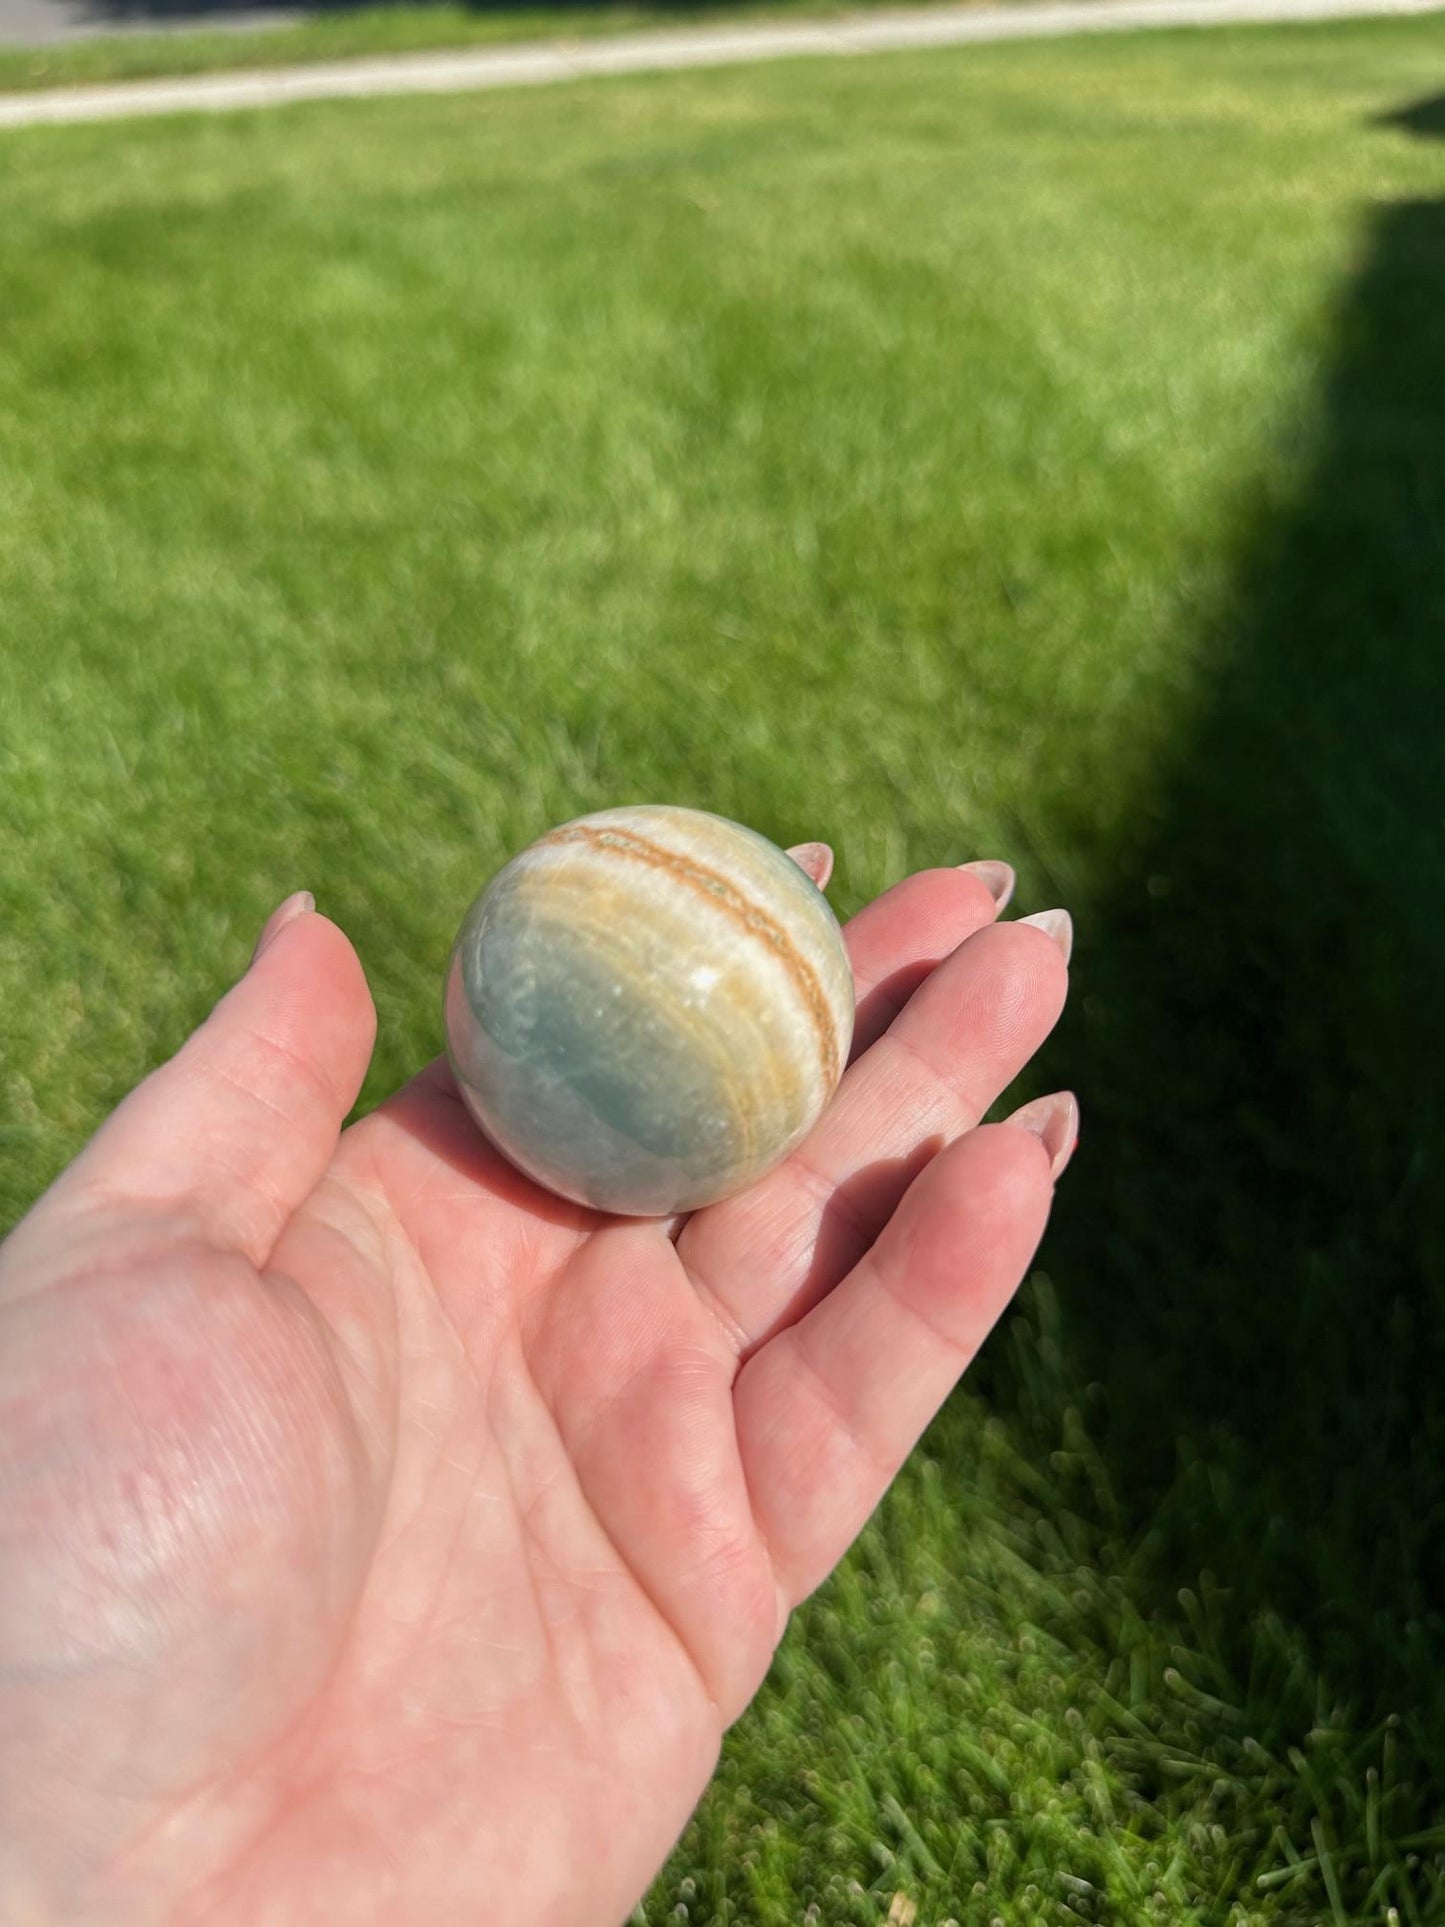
(762, 1259)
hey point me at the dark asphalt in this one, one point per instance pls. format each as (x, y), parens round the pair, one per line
(41, 23)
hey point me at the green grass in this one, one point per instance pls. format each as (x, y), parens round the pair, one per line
(1035, 452)
(403, 26)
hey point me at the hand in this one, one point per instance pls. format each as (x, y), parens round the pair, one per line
(380, 1534)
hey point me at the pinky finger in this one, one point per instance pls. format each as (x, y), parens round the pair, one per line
(828, 1410)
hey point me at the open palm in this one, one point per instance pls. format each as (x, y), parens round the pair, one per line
(378, 1533)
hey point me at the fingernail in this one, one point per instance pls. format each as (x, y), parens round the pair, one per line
(997, 878)
(1054, 1121)
(1057, 924)
(298, 904)
(815, 860)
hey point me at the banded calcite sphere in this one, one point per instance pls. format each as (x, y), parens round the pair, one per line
(648, 1009)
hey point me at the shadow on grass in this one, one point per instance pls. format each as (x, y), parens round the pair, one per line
(1251, 1247)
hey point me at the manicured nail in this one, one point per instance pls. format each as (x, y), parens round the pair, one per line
(298, 904)
(997, 878)
(815, 859)
(1054, 1121)
(1057, 924)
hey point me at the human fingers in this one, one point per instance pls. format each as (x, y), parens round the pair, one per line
(896, 940)
(814, 860)
(238, 1126)
(828, 1409)
(899, 939)
(763, 1258)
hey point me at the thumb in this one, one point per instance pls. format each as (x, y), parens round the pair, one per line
(238, 1127)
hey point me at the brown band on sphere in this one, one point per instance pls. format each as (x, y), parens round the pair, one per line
(699, 876)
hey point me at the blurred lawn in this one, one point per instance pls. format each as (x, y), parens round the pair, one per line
(1035, 452)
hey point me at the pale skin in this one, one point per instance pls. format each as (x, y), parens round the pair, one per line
(384, 1540)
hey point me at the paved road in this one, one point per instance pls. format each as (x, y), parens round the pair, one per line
(46, 23)
(543, 63)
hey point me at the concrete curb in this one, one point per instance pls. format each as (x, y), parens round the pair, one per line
(543, 63)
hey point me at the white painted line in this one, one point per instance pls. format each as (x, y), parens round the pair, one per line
(542, 63)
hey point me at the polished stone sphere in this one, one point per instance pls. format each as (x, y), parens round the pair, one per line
(648, 1009)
